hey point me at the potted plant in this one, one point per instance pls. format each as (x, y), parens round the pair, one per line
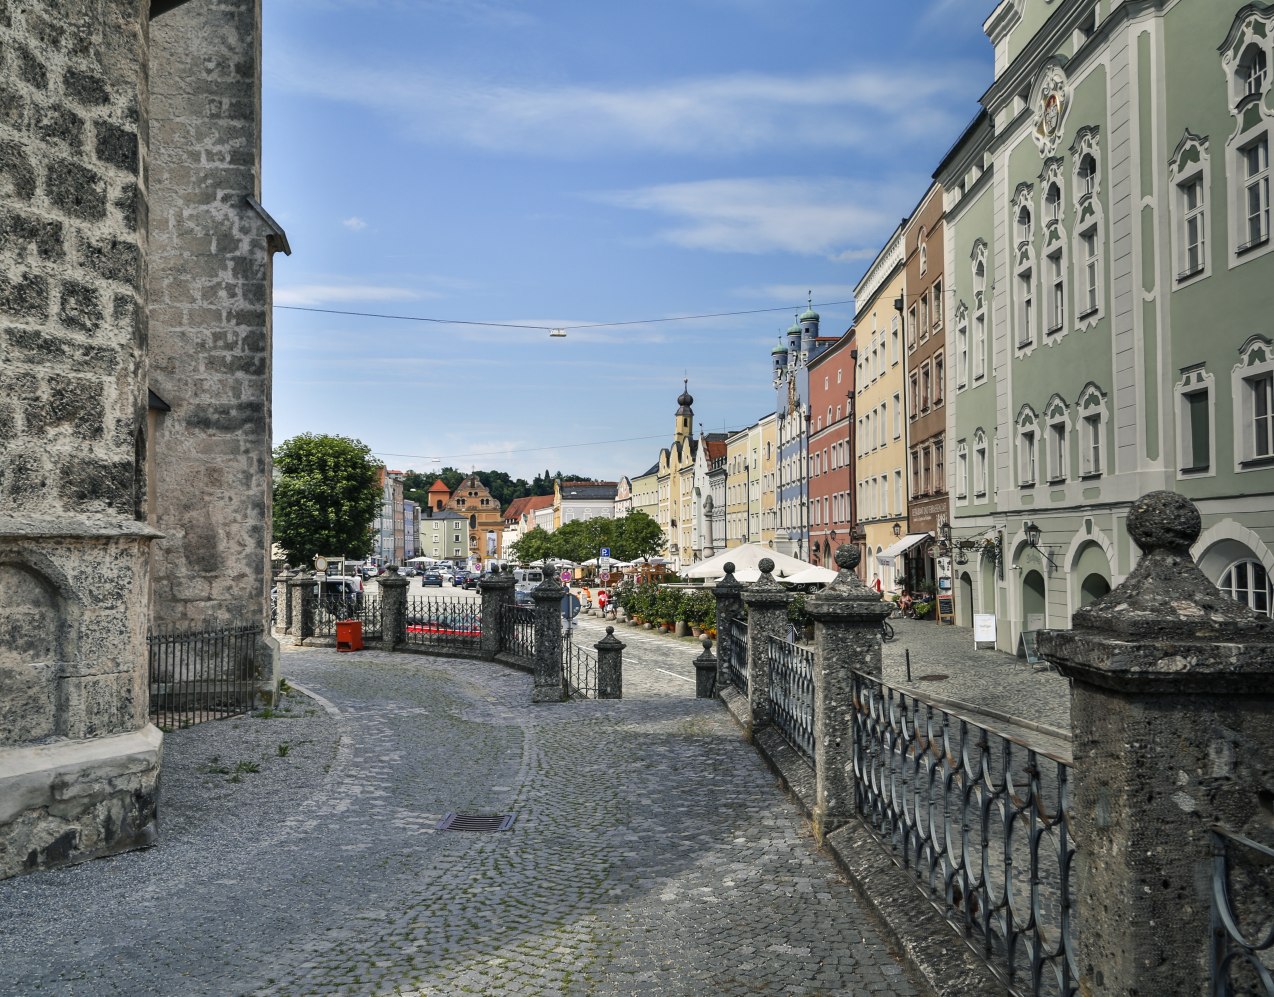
(923, 610)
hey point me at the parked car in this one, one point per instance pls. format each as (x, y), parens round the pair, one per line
(431, 578)
(467, 580)
(445, 573)
(407, 571)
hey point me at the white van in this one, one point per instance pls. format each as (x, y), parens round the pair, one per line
(528, 577)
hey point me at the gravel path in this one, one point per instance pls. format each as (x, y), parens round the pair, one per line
(651, 852)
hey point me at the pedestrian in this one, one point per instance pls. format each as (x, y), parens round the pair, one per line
(588, 598)
(875, 583)
(602, 599)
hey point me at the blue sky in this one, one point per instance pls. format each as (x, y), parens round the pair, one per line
(573, 162)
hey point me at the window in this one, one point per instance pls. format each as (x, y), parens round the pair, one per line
(1194, 226)
(937, 304)
(1255, 162)
(1025, 307)
(1196, 430)
(1091, 443)
(962, 347)
(1252, 71)
(1087, 175)
(962, 470)
(979, 309)
(897, 417)
(924, 316)
(1057, 292)
(1249, 583)
(911, 329)
(926, 376)
(1024, 224)
(894, 339)
(1057, 450)
(939, 378)
(1053, 203)
(900, 503)
(1026, 457)
(1261, 390)
(979, 346)
(926, 470)
(917, 485)
(1088, 293)
(980, 466)
(924, 253)
(913, 400)
(939, 468)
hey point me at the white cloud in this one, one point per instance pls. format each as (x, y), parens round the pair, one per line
(782, 214)
(324, 294)
(354, 223)
(716, 115)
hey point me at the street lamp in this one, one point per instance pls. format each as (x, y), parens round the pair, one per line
(1033, 533)
(897, 529)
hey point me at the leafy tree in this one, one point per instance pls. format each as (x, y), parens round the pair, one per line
(326, 497)
(534, 545)
(637, 535)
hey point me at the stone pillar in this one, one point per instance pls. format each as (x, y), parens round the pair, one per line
(548, 641)
(705, 672)
(846, 617)
(393, 607)
(610, 666)
(282, 598)
(301, 622)
(496, 592)
(1172, 720)
(729, 596)
(767, 603)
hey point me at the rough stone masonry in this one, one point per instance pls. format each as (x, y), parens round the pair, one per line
(80, 227)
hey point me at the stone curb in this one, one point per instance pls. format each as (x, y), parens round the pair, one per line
(939, 958)
(332, 709)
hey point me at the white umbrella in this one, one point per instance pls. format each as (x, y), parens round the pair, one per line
(813, 575)
(606, 562)
(746, 558)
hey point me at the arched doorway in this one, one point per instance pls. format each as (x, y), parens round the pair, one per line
(1091, 589)
(964, 600)
(1034, 602)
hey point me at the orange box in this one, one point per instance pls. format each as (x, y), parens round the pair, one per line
(349, 635)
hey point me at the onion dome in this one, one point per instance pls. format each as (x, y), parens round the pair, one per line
(685, 400)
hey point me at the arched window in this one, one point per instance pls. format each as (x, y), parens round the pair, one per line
(1024, 224)
(1249, 583)
(1253, 70)
(1087, 174)
(1053, 202)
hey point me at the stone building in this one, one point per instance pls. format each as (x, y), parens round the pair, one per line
(1107, 234)
(675, 468)
(134, 397)
(486, 522)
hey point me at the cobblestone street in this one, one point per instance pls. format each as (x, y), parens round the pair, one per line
(651, 853)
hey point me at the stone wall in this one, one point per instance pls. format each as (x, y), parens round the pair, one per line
(208, 298)
(78, 762)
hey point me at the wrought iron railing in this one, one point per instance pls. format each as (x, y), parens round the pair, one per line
(444, 622)
(579, 669)
(792, 694)
(329, 609)
(198, 675)
(1242, 916)
(981, 821)
(735, 649)
(517, 631)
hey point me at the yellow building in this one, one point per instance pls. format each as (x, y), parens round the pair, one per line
(737, 488)
(676, 467)
(880, 419)
(485, 521)
(767, 478)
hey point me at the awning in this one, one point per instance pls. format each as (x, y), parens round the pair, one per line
(899, 547)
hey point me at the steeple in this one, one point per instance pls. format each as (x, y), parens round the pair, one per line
(685, 415)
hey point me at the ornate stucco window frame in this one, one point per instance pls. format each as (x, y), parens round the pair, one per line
(1251, 33)
(1255, 367)
(1195, 380)
(1191, 164)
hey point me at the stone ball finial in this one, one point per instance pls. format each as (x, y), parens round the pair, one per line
(766, 565)
(848, 556)
(729, 567)
(707, 644)
(610, 631)
(1164, 521)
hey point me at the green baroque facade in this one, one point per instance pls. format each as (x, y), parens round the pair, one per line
(1110, 280)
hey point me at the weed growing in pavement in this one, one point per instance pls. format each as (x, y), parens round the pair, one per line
(284, 687)
(266, 713)
(284, 748)
(213, 766)
(246, 766)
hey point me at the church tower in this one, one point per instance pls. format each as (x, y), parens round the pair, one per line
(685, 416)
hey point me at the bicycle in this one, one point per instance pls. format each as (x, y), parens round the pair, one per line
(886, 631)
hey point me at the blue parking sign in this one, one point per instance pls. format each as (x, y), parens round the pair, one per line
(605, 552)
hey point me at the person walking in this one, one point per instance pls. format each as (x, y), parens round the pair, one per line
(602, 600)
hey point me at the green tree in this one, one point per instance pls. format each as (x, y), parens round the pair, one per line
(636, 535)
(326, 497)
(534, 545)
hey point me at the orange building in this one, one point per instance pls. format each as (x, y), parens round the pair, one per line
(472, 500)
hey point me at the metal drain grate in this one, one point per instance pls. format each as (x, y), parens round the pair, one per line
(476, 822)
(932, 678)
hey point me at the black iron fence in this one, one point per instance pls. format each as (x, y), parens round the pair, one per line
(331, 609)
(198, 675)
(444, 622)
(981, 821)
(579, 669)
(1242, 916)
(517, 631)
(736, 652)
(792, 694)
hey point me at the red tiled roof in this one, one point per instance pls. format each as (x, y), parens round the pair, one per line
(439, 486)
(716, 448)
(539, 502)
